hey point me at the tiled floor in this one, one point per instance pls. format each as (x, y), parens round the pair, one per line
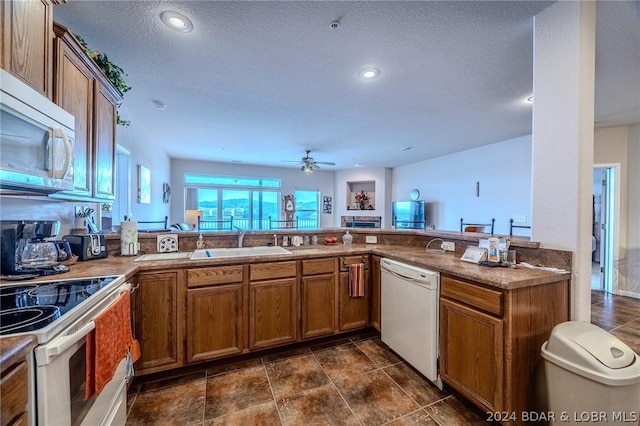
(353, 380)
(348, 381)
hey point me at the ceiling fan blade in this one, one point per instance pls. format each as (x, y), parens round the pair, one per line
(292, 161)
(326, 163)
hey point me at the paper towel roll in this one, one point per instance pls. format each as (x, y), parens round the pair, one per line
(128, 238)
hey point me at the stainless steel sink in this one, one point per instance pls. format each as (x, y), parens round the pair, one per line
(238, 252)
(164, 256)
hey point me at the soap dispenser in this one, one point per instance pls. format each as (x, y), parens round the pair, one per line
(200, 242)
(347, 238)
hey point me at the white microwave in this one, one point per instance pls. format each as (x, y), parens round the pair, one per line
(36, 141)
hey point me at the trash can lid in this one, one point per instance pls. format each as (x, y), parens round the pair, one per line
(607, 349)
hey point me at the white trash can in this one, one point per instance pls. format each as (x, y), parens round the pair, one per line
(591, 376)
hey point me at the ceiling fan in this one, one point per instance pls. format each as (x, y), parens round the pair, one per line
(308, 164)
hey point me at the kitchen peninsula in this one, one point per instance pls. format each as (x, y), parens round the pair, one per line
(492, 320)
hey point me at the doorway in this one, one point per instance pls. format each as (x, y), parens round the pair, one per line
(606, 203)
(122, 203)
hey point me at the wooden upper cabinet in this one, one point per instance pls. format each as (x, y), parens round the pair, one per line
(82, 89)
(73, 91)
(26, 42)
(104, 136)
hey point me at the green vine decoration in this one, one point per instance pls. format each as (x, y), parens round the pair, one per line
(114, 73)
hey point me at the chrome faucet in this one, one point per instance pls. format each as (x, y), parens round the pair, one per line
(240, 235)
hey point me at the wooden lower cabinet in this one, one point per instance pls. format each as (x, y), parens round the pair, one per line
(273, 304)
(158, 311)
(490, 340)
(376, 288)
(215, 312)
(353, 312)
(317, 298)
(471, 354)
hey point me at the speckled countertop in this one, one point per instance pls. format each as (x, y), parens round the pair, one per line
(446, 263)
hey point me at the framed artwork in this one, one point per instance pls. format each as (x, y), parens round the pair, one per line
(144, 185)
(326, 205)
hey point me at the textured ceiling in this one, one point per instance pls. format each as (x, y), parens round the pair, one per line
(260, 82)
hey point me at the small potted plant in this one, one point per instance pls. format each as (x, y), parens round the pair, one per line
(114, 73)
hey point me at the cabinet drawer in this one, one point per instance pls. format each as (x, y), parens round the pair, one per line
(345, 261)
(215, 275)
(318, 266)
(13, 388)
(267, 271)
(478, 297)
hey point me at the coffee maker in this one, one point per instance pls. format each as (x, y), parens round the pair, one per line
(25, 252)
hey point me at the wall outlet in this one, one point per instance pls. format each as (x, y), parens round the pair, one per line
(448, 246)
(371, 239)
(519, 218)
(167, 243)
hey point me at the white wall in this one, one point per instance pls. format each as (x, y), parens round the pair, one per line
(292, 179)
(382, 178)
(448, 185)
(621, 145)
(144, 152)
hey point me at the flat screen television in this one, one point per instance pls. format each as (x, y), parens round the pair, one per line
(408, 214)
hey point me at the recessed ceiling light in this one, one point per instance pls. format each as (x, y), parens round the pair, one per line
(176, 21)
(369, 73)
(159, 105)
(406, 148)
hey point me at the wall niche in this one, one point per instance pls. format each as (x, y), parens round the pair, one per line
(361, 195)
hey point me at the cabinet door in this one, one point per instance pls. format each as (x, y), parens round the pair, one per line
(471, 354)
(157, 316)
(73, 91)
(375, 292)
(26, 42)
(353, 312)
(318, 305)
(273, 308)
(214, 322)
(105, 113)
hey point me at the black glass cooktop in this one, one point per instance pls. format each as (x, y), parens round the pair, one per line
(33, 306)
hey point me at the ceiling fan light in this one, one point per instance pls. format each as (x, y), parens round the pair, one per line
(307, 168)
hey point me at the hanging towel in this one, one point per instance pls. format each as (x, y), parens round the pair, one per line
(356, 280)
(108, 344)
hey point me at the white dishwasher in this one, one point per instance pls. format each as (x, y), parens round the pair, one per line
(410, 315)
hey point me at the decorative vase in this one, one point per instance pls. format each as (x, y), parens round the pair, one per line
(362, 206)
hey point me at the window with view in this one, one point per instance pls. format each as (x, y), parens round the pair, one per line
(245, 202)
(307, 209)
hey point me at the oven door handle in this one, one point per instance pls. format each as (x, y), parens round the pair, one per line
(61, 344)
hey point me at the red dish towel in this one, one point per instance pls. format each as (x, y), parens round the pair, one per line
(356, 280)
(108, 344)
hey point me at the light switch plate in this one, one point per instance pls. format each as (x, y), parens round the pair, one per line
(371, 239)
(448, 246)
(167, 243)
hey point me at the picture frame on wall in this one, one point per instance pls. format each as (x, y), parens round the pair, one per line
(144, 185)
(326, 205)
